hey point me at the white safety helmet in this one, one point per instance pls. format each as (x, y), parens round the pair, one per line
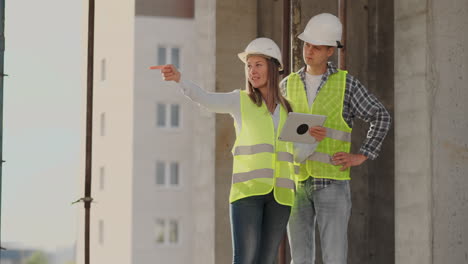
(323, 29)
(262, 46)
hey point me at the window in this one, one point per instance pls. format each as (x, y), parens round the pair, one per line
(103, 69)
(169, 55)
(103, 124)
(175, 54)
(175, 115)
(101, 232)
(161, 55)
(173, 231)
(101, 177)
(160, 173)
(168, 117)
(161, 115)
(159, 231)
(166, 231)
(167, 174)
(174, 176)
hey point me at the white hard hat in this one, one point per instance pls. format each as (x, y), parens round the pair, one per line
(323, 29)
(262, 46)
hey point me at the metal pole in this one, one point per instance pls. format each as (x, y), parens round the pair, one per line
(2, 74)
(286, 37)
(89, 128)
(342, 51)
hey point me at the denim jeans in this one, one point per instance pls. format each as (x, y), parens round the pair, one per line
(258, 223)
(330, 208)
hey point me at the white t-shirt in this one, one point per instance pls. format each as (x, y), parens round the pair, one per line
(312, 84)
(303, 150)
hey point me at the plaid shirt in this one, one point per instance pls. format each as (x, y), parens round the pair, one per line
(358, 102)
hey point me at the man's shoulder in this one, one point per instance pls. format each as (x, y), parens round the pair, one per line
(284, 82)
(352, 81)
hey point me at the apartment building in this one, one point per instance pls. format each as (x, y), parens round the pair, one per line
(146, 156)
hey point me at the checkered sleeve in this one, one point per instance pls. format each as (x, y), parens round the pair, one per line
(283, 85)
(360, 103)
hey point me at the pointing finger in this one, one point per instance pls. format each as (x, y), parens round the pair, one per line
(158, 67)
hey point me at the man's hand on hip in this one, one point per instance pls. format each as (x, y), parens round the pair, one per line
(348, 159)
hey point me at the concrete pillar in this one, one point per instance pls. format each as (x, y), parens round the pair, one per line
(203, 202)
(448, 53)
(431, 146)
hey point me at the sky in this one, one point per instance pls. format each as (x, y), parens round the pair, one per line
(42, 123)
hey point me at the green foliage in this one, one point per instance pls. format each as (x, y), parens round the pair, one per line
(37, 257)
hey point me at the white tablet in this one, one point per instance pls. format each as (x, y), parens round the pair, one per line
(297, 125)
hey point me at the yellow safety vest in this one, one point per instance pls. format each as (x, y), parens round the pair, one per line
(262, 163)
(329, 102)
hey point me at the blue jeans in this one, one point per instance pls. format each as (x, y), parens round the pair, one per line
(330, 208)
(258, 223)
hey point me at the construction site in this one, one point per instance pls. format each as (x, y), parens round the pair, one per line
(160, 167)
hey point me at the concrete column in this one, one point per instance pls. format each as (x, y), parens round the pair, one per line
(447, 87)
(412, 135)
(431, 146)
(203, 202)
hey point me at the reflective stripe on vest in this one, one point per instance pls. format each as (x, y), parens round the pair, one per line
(338, 135)
(285, 183)
(250, 175)
(328, 102)
(248, 150)
(320, 157)
(261, 162)
(285, 156)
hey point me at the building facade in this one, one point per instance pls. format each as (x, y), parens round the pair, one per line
(150, 170)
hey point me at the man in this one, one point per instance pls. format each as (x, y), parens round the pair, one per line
(323, 192)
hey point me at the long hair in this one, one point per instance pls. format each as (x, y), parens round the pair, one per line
(274, 95)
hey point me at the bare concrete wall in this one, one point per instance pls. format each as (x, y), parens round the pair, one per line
(430, 131)
(381, 171)
(269, 20)
(448, 97)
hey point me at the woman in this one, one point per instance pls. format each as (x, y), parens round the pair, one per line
(262, 190)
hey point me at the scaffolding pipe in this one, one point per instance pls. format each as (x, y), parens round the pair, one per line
(342, 51)
(286, 37)
(89, 129)
(2, 75)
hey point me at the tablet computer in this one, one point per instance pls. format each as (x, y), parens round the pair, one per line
(297, 125)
